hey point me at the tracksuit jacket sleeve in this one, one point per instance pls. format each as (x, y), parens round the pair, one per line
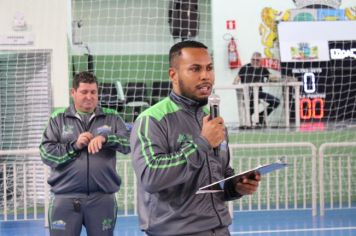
(118, 139)
(52, 151)
(229, 187)
(156, 165)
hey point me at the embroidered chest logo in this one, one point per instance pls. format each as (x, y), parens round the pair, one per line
(67, 130)
(182, 138)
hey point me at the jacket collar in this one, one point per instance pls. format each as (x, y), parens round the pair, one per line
(186, 103)
(71, 112)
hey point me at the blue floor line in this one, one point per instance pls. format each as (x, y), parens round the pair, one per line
(281, 223)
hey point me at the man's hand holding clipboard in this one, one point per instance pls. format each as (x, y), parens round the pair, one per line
(246, 182)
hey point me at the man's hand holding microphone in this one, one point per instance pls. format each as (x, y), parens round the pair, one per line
(213, 129)
(214, 132)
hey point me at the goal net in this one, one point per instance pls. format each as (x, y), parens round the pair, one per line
(126, 44)
(25, 102)
(300, 88)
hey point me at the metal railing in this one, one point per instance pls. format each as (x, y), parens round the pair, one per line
(285, 189)
(23, 191)
(24, 194)
(340, 173)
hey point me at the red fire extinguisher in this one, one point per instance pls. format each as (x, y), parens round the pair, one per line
(233, 54)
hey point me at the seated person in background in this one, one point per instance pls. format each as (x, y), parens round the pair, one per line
(254, 73)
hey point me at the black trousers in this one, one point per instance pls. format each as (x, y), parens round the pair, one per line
(68, 212)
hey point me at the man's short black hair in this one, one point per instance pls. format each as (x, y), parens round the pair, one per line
(176, 49)
(83, 77)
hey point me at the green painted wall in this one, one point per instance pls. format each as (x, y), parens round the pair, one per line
(145, 68)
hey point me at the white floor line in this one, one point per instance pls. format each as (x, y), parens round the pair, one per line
(293, 230)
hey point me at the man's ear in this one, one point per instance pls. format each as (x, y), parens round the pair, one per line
(172, 75)
(72, 91)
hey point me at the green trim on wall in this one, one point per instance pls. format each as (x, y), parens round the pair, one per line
(109, 68)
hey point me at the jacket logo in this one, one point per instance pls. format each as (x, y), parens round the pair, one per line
(182, 138)
(107, 224)
(67, 130)
(105, 129)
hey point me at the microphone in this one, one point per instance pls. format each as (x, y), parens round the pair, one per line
(214, 101)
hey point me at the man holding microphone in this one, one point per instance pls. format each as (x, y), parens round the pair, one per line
(177, 147)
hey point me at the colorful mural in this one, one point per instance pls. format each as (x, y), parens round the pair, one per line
(306, 10)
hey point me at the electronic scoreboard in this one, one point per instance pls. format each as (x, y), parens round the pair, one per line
(322, 55)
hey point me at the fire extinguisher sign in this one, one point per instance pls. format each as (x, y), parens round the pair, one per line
(230, 24)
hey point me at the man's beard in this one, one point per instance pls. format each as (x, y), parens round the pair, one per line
(202, 101)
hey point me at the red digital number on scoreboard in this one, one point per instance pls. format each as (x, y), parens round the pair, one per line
(311, 108)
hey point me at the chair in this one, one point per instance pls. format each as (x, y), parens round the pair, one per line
(135, 94)
(108, 96)
(160, 90)
(251, 120)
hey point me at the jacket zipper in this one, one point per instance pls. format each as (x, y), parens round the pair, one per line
(88, 192)
(210, 177)
(88, 159)
(84, 126)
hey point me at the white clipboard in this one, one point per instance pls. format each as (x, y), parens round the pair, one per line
(263, 169)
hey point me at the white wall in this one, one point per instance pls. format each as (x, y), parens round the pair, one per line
(247, 15)
(47, 22)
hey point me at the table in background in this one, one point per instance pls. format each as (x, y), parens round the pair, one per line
(243, 97)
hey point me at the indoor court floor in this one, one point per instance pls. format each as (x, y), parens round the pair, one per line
(291, 222)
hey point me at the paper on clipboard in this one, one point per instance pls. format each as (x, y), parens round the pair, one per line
(264, 169)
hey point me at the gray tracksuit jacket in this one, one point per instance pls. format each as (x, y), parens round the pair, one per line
(172, 161)
(77, 171)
